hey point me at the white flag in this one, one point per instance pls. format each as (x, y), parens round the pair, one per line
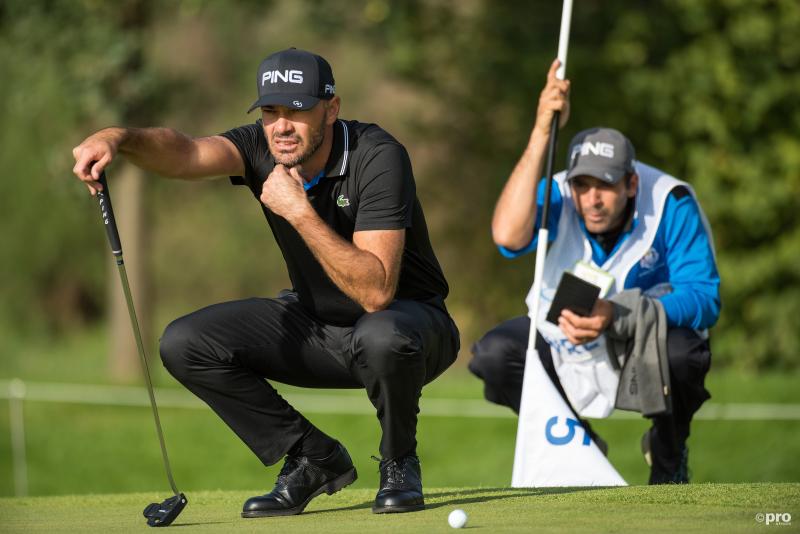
(553, 449)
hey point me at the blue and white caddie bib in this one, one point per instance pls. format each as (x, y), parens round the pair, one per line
(586, 373)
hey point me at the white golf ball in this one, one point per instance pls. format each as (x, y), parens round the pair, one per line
(457, 518)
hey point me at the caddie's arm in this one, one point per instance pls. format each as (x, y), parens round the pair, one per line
(515, 211)
(163, 151)
(694, 301)
(366, 270)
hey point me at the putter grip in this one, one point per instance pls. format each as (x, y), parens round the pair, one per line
(107, 211)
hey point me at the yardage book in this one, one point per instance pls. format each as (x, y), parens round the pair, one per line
(574, 294)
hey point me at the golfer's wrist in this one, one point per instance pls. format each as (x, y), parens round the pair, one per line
(300, 214)
(117, 137)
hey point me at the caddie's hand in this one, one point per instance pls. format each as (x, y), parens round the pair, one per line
(93, 155)
(554, 97)
(283, 193)
(580, 330)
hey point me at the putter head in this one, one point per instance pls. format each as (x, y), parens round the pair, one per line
(162, 514)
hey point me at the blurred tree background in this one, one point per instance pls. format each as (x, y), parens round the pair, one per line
(707, 90)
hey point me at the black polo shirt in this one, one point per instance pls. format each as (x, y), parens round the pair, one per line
(368, 184)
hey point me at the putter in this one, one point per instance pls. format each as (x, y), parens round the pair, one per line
(164, 513)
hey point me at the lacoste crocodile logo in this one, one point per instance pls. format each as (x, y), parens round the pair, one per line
(342, 202)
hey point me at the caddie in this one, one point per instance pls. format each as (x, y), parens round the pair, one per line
(640, 235)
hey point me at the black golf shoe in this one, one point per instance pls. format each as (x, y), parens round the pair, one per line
(401, 486)
(665, 470)
(300, 480)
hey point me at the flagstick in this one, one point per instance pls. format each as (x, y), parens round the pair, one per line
(518, 478)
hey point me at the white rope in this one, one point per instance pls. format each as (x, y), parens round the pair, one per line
(349, 402)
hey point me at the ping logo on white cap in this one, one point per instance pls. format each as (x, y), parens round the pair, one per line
(286, 76)
(599, 148)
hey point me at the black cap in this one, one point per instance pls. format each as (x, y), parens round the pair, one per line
(603, 153)
(294, 78)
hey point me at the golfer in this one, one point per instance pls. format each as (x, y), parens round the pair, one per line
(624, 226)
(366, 308)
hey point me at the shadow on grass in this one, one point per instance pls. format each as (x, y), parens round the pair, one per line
(361, 506)
(200, 523)
(463, 497)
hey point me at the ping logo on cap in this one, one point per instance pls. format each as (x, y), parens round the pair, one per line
(286, 76)
(293, 78)
(599, 148)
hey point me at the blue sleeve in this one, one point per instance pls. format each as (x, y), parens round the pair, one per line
(694, 301)
(555, 213)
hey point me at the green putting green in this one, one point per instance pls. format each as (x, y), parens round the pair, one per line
(692, 508)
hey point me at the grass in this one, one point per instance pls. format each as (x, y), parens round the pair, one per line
(98, 449)
(696, 508)
(74, 449)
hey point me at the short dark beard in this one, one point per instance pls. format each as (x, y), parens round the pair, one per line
(314, 143)
(608, 239)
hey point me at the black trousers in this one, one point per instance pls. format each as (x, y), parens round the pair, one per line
(499, 360)
(224, 352)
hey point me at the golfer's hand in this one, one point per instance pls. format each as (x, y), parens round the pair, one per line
(283, 193)
(554, 97)
(93, 155)
(580, 330)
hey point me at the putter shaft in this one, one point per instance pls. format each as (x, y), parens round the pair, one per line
(123, 275)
